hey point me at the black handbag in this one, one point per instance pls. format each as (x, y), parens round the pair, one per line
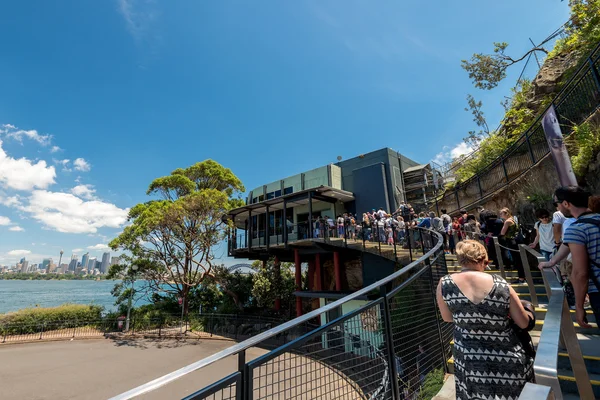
(523, 334)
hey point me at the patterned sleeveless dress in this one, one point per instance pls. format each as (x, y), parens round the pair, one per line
(489, 361)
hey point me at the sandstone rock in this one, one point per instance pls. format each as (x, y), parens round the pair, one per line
(550, 75)
(354, 274)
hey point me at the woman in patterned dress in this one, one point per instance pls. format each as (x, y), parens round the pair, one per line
(489, 361)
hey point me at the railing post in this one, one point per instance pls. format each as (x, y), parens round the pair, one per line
(422, 242)
(409, 240)
(480, 189)
(387, 332)
(505, 171)
(528, 277)
(595, 73)
(395, 239)
(243, 393)
(530, 149)
(499, 257)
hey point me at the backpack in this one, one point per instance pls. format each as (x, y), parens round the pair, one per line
(591, 274)
(438, 225)
(446, 220)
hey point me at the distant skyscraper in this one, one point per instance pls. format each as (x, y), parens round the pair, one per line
(24, 265)
(73, 263)
(105, 263)
(84, 261)
(91, 264)
(115, 260)
(46, 264)
(98, 265)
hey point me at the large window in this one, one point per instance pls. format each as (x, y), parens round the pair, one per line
(288, 190)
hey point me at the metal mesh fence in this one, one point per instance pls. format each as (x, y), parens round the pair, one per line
(345, 359)
(416, 333)
(229, 388)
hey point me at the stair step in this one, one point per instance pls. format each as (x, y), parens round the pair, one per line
(540, 314)
(568, 383)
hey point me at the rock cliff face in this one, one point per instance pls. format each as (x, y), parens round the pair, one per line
(550, 75)
(352, 275)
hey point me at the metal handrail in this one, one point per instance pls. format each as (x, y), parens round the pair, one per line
(255, 340)
(557, 324)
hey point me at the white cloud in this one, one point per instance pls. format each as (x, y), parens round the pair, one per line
(84, 191)
(23, 174)
(12, 201)
(77, 250)
(99, 246)
(448, 154)
(139, 16)
(18, 253)
(55, 149)
(81, 165)
(460, 150)
(16, 229)
(65, 212)
(4, 221)
(18, 134)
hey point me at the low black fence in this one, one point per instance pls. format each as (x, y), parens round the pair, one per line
(230, 326)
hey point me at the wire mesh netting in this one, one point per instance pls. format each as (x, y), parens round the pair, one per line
(415, 325)
(345, 359)
(229, 388)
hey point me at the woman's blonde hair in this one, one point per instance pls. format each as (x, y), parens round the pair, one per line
(506, 211)
(470, 252)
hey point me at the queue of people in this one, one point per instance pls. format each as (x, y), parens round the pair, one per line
(490, 321)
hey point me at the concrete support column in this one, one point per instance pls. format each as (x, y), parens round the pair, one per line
(337, 272)
(298, 282)
(318, 272)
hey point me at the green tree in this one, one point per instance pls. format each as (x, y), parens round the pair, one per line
(172, 238)
(474, 138)
(272, 282)
(487, 70)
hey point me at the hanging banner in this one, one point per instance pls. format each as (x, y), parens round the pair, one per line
(558, 150)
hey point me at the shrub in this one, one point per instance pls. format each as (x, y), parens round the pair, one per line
(64, 316)
(586, 142)
(432, 385)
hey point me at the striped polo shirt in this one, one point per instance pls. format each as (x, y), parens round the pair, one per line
(589, 236)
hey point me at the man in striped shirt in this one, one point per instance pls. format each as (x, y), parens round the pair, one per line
(583, 239)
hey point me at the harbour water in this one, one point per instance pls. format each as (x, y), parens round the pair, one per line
(15, 295)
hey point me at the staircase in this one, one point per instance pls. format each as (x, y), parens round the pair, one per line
(589, 339)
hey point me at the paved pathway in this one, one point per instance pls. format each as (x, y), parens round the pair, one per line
(99, 369)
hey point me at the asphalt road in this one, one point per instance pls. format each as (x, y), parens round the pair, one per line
(100, 369)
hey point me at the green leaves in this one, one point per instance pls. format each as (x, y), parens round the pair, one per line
(171, 239)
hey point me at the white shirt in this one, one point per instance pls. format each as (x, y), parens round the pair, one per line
(546, 236)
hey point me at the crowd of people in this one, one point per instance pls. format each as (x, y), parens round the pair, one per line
(569, 237)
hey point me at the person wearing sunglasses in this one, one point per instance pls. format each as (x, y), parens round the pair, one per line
(582, 238)
(544, 236)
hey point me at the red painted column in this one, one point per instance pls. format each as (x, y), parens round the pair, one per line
(278, 275)
(318, 272)
(298, 282)
(336, 270)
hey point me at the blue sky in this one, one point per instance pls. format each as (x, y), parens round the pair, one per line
(128, 90)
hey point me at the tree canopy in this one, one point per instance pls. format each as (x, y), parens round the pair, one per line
(171, 238)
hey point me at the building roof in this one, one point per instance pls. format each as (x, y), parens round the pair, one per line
(416, 168)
